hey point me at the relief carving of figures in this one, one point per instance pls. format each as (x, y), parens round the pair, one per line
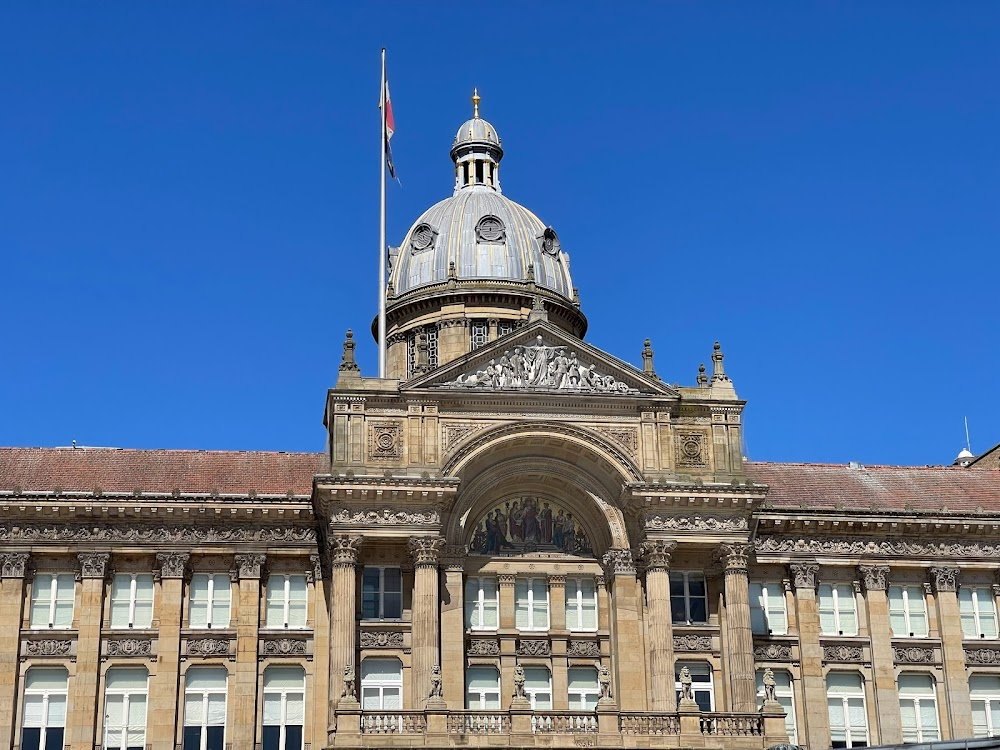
(130, 647)
(541, 367)
(604, 680)
(172, 564)
(944, 578)
(385, 517)
(874, 576)
(870, 547)
(93, 564)
(13, 564)
(529, 524)
(47, 648)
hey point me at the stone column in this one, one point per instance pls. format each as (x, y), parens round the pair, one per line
(816, 718)
(244, 675)
(739, 639)
(629, 646)
(426, 551)
(944, 579)
(557, 624)
(659, 629)
(343, 616)
(164, 686)
(453, 629)
(890, 727)
(318, 682)
(13, 568)
(508, 660)
(81, 719)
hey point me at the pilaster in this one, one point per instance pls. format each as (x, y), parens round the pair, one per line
(82, 708)
(874, 578)
(944, 580)
(13, 568)
(629, 648)
(161, 712)
(815, 715)
(244, 675)
(453, 630)
(656, 555)
(739, 651)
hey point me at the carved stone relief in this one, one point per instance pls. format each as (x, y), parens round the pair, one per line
(155, 534)
(842, 653)
(48, 647)
(618, 562)
(690, 449)
(284, 647)
(381, 639)
(869, 547)
(13, 564)
(208, 647)
(172, 564)
(944, 578)
(454, 433)
(529, 524)
(912, 655)
(695, 522)
(656, 553)
(385, 441)
(772, 652)
(583, 648)
(385, 517)
(803, 574)
(874, 576)
(982, 656)
(93, 564)
(483, 647)
(689, 642)
(130, 647)
(249, 566)
(626, 437)
(533, 648)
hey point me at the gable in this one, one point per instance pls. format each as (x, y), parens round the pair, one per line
(541, 358)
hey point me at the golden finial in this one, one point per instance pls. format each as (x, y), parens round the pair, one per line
(475, 103)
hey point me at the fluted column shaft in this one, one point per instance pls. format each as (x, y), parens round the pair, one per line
(659, 627)
(13, 567)
(739, 639)
(426, 552)
(343, 615)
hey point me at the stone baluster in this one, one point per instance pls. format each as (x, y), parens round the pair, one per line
(629, 649)
(343, 615)
(171, 571)
(244, 675)
(874, 578)
(426, 551)
(944, 579)
(80, 727)
(13, 570)
(816, 720)
(656, 554)
(739, 639)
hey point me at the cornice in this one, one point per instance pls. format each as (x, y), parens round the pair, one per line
(803, 522)
(438, 493)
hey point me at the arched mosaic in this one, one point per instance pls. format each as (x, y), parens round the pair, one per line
(530, 524)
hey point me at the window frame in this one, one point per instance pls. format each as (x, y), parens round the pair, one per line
(481, 604)
(583, 693)
(284, 693)
(482, 693)
(760, 602)
(838, 610)
(381, 591)
(916, 700)
(53, 599)
(46, 695)
(205, 693)
(697, 668)
(532, 693)
(988, 698)
(576, 605)
(686, 576)
(133, 600)
(210, 601)
(286, 601)
(529, 605)
(478, 326)
(369, 683)
(781, 692)
(845, 699)
(126, 694)
(978, 611)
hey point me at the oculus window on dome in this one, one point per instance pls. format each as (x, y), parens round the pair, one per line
(529, 524)
(423, 238)
(490, 229)
(550, 242)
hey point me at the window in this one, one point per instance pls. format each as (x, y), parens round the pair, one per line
(481, 605)
(531, 604)
(125, 690)
(284, 708)
(767, 609)
(482, 688)
(286, 599)
(581, 604)
(985, 692)
(132, 600)
(701, 683)
(583, 689)
(432, 345)
(480, 334)
(688, 598)
(381, 684)
(918, 708)
(848, 716)
(52, 597)
(44, 721)
(411, 354)
(979, 612)
(538, 687)
(908, 611)
(381, 594)
(210, 596)
(205, 708)
(784, 695)
(837, 609)
(504, 327)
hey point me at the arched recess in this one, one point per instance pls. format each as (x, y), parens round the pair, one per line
(569, 465)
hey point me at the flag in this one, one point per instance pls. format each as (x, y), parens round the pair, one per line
(388, 126)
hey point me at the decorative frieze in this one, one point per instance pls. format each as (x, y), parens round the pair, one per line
(656, 553)
(483, 647)
(145, 533)
(208, 647)
(989, 656)
(385, 517)
(533, 648)
(852, 546)
(913, 655)
(48, 647)
(425, 550)
(130, 647)
(583, 648)
(944, 578)
(618, 562)
(344, 549)
(284, 647)
(772, 652)
(93, 564)
(249, 566)
(803, 574)
(13, 564)
(690, 642)
(842, 653)
(874, 576)
(694, 522)
(381, 639)
(171, 564)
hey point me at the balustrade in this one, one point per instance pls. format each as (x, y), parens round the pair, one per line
(478, 722)
(733, 725)
(649, 724)
(564, 722)
(394, 722)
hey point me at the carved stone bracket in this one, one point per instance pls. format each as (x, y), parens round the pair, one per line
(130, 647)
(284, 647)
(804, 575)
(944, 578)
(94, 564)
(874, 577)
(583, 648)
(14, 564)
(618, 562)
(772, 652)
(533, 648)
(250, 566)
(656, 553)
(483, 647)
(690, 642)
(344, 549)
(912, 655)
(506, 579)
(171, 564)
(982, 656)
(381, 639)
(842, 653)
(425, 550)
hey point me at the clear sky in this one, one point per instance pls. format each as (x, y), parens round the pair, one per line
(189, 205)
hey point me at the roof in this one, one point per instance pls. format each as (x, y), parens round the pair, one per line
(890, 488)
(126, 470)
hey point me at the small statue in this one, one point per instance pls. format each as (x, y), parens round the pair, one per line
(348, 691)
(436, 682)
(769, 686)
(519, 682)
(687, 694)
(604, 680)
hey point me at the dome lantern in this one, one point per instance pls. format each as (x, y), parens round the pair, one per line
(476, 151)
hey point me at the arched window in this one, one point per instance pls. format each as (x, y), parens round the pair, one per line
(381, 684)
(44, 720)
(125, 699)
(701, 683)
(284, 708)
(205, 708)
(482, 688)
(848, 712)
(985, 692)
(918, 708)
(785, 696)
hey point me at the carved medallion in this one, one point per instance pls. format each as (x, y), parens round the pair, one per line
(533, 648)
(842, 653)
(912, 654)
(691, 449)
(772, 652)
(583, 648)
(208, 647)
(385, 441)
(48, 647)
(688, 642)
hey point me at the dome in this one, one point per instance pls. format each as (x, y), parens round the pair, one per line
(476, 130)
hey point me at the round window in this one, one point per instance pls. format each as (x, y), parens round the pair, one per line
(490, 229)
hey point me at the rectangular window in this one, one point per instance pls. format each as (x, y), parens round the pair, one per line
(381, 684)
(480, 334)
(411, 354)
(44, 721)
(848, 714)
(125, 698)
(581, 604)
(481, 604)
(52, 596)
(381, 593)
(132, 600)
(284, 708)
(432, 345)
(701, 684)
(286, 600)
(688, 598)
(837, 609)
(767, 609)
(531, 604)
(583, 689)
(210, 598)
(918, 708)
(482, 688)
(538, 688)
(979, 612)
(205, 708)
(985, 693)
(908, 611)
(785, 696)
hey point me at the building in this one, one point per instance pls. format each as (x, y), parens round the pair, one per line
(515, 539)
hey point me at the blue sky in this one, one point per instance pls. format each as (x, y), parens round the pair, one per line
(189, 213)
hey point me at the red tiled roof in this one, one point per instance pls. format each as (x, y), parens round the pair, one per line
(891, 488)
(125, 470)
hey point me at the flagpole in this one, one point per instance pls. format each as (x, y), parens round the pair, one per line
(381, 233)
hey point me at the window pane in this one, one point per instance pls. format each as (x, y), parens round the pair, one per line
(272, 708)
(215, 737)
(844, 683)
(57, 710)
(34, 715)
(54, 739)
(482, 678)
(391, 698)
(582, 678)
(393, 578)
(589, 613)
(270, 737)
(205, 678)
(30, 738)
(194, 709)
(47, 678)
(143, 614)
(297, 613)
(696, 586)
(536, 678)
(698, 610)
(217, 709)
(393, 605)
(192, 738)
(121, 678)
(295, 708)
(382, 669)
(293, 737)
(64, 614)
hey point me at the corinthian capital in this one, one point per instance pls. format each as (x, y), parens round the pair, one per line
(172, 564)
(93, 564)
(944, 578)
(13, 564)
(804, 575)
(425, 550)
(874, 576)
(344, 549)
(249, 566)
(735, 557)
(656, 553)
(618, 562)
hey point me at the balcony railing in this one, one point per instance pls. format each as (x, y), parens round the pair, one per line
(478, 722)
(394, 722)
(732, 725)
(564, 722)
(649, 724)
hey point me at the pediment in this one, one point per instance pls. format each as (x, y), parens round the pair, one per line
(540, 358)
